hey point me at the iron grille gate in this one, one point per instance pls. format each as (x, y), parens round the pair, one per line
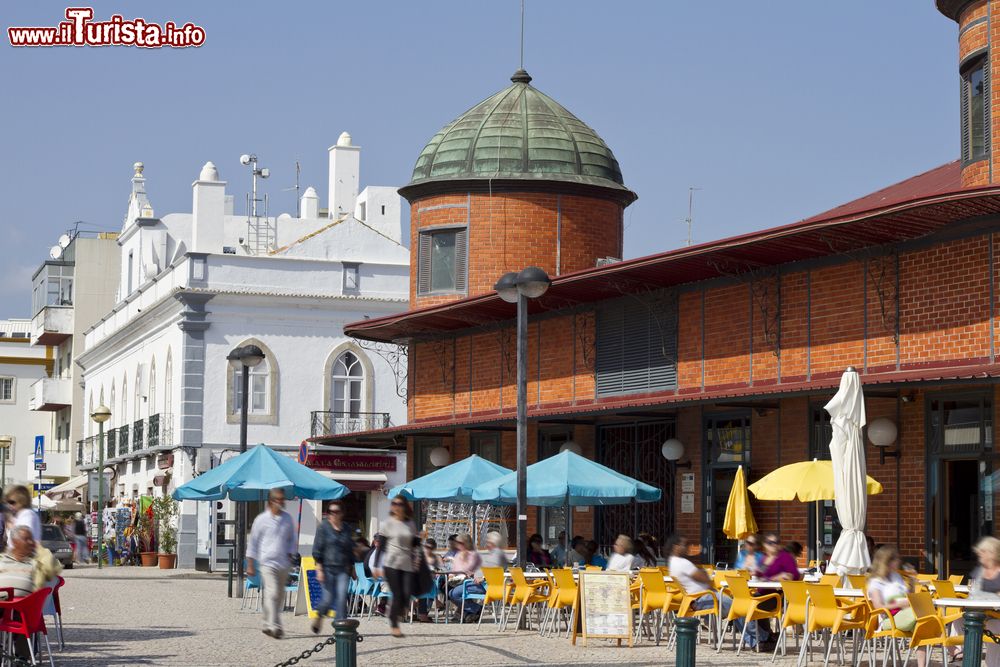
(634, 450)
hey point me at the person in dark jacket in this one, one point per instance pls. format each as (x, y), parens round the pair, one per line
(334, 554)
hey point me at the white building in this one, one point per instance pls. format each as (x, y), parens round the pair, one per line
(21, 366)
(69, 292)
(194, 286)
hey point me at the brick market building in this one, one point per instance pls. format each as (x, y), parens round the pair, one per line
(732, 346)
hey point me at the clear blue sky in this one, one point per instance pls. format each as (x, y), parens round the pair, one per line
(776, 109)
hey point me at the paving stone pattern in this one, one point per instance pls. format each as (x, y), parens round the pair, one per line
(135, 616)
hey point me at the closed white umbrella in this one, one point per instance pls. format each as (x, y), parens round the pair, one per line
(847, 451)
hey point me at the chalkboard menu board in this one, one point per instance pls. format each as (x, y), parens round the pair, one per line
(605, 606)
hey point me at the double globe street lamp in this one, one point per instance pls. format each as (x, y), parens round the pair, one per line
(100, 415)
(244, 357)
(514, 287)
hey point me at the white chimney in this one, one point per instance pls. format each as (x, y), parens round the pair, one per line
(310, 204)
(208, 210)
(345, 169)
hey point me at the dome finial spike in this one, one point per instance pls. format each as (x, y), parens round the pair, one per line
(521, 76)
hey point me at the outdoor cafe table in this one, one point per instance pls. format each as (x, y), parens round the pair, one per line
(974, 616)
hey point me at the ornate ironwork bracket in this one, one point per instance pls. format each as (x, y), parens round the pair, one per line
(443, 349)
(586, 336)
(507, 341)
(883, 271)
(765, 289)
(397, 356)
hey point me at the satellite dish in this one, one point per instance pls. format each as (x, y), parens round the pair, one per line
(64, 241)
(55, 252)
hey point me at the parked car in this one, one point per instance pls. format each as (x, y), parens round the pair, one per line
(55, 541)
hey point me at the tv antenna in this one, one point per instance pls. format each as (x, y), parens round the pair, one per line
(522, 34)
(690, 219)
(298, 202)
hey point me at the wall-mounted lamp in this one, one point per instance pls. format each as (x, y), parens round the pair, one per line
(440, 456)
(882, 433)
(673, 450)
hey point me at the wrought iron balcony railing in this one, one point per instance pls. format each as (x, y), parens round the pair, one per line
(128, 441)
(326, 422)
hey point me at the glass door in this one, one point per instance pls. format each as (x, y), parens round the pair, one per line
(726, 447)
(552, 520)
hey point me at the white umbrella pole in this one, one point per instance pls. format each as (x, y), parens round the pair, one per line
(569, 521)
(819, 533)
(475, 524)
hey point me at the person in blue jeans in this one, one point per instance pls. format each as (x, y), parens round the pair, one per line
(334, 554)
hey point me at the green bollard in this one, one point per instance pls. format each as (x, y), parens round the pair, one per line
(687, 640)
(347, 638)
(973, 646)
(230, 573)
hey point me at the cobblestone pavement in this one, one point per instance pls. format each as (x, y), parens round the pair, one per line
(135, 616)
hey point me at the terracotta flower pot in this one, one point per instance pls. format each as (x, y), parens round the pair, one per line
(148, 558)
(168, 561)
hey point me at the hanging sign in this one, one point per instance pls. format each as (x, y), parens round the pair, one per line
(605, 606)
(310, 590)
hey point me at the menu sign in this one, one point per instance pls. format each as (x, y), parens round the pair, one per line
(605, 606)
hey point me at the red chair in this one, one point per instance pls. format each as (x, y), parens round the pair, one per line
(28, 622)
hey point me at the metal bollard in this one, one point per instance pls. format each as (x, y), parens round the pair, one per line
(973, 646)
(346, 635)
(687, 640)
(230, 573)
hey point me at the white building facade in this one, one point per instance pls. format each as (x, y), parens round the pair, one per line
(21, 366)
(195, 286)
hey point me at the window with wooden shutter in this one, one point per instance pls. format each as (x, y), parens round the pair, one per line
(442, 261)
(636, 346)
(975, 109)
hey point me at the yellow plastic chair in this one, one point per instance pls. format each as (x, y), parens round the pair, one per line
(594, 568)
(562, 596)
(956, 579)
(498, 593)
(830, 579)
(859, 581)
(685, 609)
(747, 606)
(881, 624)
(525, 594)
(654, 598)
(827, 613)
(944, 588)
(931, 629)
(796, 602)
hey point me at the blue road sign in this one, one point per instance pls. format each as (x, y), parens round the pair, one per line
(39, 448)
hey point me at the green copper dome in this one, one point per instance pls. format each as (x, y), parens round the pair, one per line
(518, 134)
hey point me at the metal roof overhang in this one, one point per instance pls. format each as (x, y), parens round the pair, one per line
(661, 404)
(812, 238)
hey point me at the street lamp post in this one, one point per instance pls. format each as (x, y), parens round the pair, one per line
(512, 287)
(100, 415)
(245, 358)
(5, 442)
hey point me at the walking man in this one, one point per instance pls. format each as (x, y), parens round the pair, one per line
(334, 554)
(272, 543)
(80, 537)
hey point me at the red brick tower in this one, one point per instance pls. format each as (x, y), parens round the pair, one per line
(978, 22)
(515, 181)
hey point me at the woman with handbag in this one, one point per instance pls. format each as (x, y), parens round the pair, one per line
(334, 554)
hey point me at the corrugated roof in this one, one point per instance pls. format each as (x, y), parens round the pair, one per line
(907, 210)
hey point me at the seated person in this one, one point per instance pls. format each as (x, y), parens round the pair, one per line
(465, 565)
(593, 556)
(575, 555)
(537, 555)
(749, 557)
(27, 566)
(622, 560)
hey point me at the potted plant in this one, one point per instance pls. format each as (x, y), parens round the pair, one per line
(144, 533)
(164, 511)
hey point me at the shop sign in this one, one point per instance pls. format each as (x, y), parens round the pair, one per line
(165, 462)
(351, 462)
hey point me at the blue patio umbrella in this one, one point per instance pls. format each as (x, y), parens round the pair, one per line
(568, 479)
(260, 469)
(453, 483)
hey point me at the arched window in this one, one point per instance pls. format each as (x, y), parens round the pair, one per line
(137, 399)
(151, 402)
(123, 419)
(348, 379)
(168, 386)
(259, 389)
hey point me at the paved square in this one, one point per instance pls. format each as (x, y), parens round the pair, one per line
(135, 616)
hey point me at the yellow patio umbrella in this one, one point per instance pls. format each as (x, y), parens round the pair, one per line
(739, 521)
(805, 481)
